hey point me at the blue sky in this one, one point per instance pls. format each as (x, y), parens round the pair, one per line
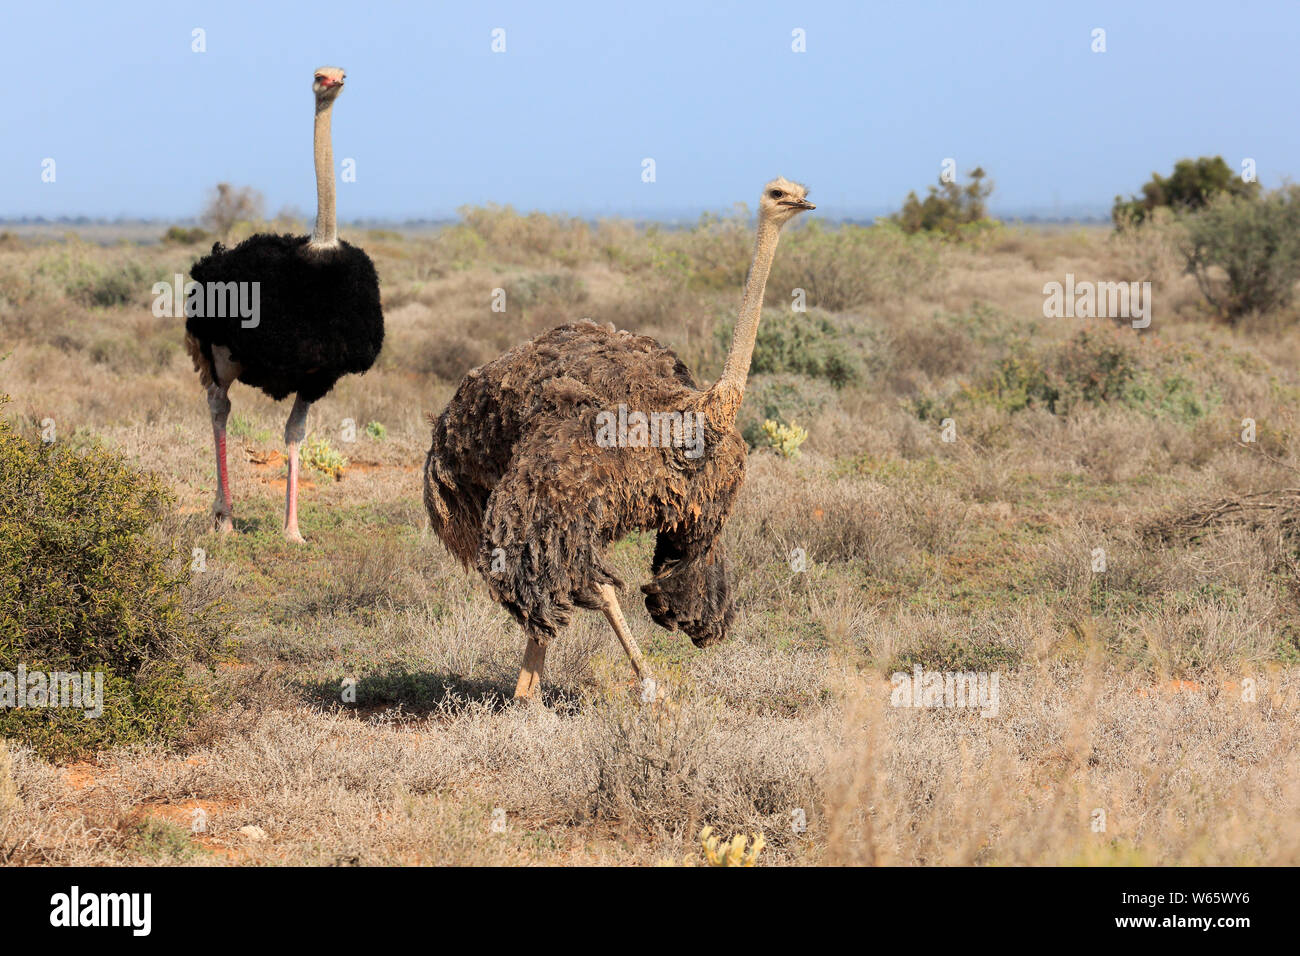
(139, 125)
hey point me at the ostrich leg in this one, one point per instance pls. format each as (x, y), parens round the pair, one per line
(614, 614)
(294, 431)
(219, 405)
(530, 675)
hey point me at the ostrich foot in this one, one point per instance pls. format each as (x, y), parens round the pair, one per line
(648, 690)
(222, 523)
(645, 689)
(291, 535)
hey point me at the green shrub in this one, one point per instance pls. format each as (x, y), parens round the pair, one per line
(562, 288)
(783, 399)
(136, 350)
(87, 584)
(805, 343)
(161, 840)
(1256, 245)
(1016, 383)
(1096, 366)
(93, 282)
(1102, 365)
(1194, 183)
(513, 238)
(113, 288)
(952, 210)
(849, 266)
(713, 254)
(180, 236)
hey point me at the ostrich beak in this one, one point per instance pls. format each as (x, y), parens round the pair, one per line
(797, 203)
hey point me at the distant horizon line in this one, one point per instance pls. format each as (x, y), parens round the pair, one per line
(1066, 214)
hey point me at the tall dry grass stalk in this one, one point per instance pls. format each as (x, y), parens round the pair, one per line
(1083, 766)
(9, 799)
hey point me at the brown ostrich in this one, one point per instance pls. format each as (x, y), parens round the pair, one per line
(563, 445)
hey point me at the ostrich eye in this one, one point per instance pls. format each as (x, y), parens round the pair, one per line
(319, 78)
(776, 194)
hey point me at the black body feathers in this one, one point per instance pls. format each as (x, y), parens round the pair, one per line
(319, 313)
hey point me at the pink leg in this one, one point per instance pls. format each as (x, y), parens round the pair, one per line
(291, 498)
(294, 432)
(222, 510)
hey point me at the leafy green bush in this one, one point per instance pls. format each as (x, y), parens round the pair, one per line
(849, 266)
(952, 210)
(180, 236)
(141, 349)
(94, 282)
(713, 254)
(512, 237)
(1098, 366)
(1194, 183)
(87, 584)
(113, 288)
(551, 288)
(162, 840)
(1256, 244)
(805, 343)
(784, 399)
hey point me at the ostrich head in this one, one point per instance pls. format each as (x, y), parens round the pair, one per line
(327, 83)
(782, 200)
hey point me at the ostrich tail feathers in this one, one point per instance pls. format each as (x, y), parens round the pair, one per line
(202, 364)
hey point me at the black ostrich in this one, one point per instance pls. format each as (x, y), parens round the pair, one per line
(317, 318)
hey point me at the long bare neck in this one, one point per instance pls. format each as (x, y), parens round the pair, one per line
(327, 232)
(722, 401)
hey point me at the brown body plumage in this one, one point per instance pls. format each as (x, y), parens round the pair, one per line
(519, 485)
(515, 466)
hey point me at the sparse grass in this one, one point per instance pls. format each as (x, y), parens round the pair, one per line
(239, 425)
(1121, 689)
